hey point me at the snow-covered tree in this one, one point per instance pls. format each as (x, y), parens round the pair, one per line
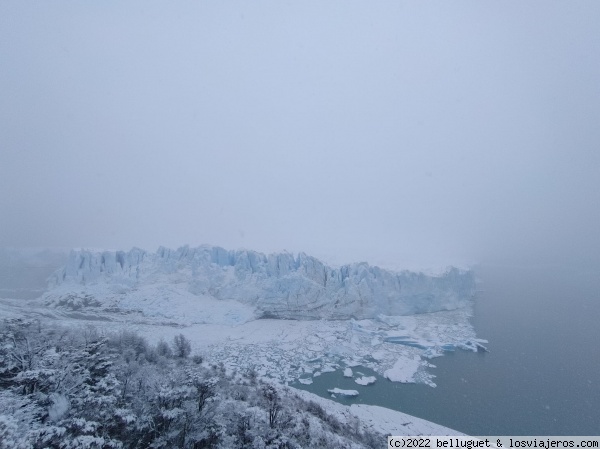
(181, 346)
(74, 388)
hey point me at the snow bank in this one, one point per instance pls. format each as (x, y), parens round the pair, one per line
(391, 422)
(379, 419)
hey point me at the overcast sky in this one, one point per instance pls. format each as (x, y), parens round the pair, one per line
(418, 133)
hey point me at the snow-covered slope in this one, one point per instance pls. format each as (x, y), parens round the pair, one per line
(203, 280)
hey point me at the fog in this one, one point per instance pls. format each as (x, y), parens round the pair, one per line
(416, 133)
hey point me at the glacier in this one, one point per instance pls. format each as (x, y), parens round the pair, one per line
(280, 285)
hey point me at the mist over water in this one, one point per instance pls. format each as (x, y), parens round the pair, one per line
(541, 375)
(24, 273)
(543, 368)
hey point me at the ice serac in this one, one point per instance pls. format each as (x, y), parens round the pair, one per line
(278, 285)
(85, 267)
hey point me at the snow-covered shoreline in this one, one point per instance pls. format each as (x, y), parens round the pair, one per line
(380, 419)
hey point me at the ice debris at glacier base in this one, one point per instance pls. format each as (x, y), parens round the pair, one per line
(289, 350)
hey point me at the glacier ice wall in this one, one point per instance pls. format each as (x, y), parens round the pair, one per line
(278, 285)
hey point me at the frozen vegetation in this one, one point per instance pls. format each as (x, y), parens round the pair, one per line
(62, 388)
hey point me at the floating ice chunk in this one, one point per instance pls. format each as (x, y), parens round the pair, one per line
(365, 380)
(328, 369)
(305, 381)
(343, 392)
(348, 372)
(403, 370)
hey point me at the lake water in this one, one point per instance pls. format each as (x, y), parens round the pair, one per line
(541, 376)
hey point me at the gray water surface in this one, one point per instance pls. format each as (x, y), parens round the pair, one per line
(541, 376)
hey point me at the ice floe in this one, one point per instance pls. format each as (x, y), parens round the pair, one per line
(403, 370)
(341, 392)
(365, 380)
